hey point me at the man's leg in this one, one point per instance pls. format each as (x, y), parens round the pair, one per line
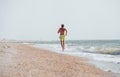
(63, 45)
(61, 42)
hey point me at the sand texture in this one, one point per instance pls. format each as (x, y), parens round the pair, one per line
(19, 60)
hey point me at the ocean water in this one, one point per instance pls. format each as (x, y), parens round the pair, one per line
(105, 54)
(97, 46)
(89, 46)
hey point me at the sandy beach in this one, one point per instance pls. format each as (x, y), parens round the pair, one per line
(20, 60)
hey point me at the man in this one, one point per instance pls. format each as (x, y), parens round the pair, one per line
(62, 32)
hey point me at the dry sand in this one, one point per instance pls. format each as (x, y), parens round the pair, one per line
(18, 60)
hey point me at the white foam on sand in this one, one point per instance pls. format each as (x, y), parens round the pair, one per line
(110, 63)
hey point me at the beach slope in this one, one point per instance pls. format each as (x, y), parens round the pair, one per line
(20, 60)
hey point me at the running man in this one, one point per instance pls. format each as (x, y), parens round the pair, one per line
(62, 32)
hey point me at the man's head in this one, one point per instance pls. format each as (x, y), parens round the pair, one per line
(62, 25)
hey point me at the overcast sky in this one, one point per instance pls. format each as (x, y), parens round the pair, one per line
(40, 19)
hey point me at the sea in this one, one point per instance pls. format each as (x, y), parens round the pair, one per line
(104, 54)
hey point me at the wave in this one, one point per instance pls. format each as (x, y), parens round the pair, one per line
(96, 49)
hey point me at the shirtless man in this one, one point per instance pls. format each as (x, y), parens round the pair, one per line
(62, 32)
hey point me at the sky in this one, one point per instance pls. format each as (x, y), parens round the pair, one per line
(41, 19)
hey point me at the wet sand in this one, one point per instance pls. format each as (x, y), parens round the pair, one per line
(20, 60)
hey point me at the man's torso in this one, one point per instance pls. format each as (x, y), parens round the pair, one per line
(62, 31)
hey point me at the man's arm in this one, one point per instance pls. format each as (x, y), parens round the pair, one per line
(58, 31)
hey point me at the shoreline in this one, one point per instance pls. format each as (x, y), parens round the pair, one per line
(106, 62)
(20, 60)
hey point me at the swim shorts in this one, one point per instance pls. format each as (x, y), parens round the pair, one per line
(62, 37)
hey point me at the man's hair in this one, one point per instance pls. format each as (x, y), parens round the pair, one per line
(62, 25)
